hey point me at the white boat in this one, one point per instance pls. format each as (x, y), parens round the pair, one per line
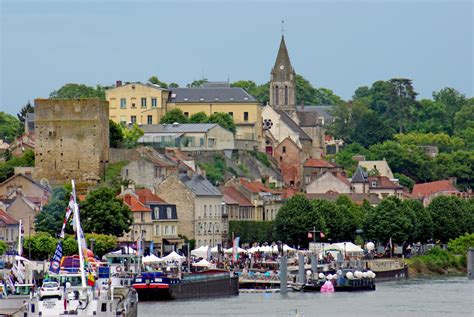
(79, 299)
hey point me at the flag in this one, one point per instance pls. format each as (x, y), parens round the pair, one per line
(152, 247)
(69, 210)
(310, 235)
(235, 249)
(321, 234)
(56, 260)
(90, 280)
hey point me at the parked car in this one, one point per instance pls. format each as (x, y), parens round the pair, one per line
(50, 289)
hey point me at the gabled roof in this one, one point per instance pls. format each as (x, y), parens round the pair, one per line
(149, 196)
(28, 178)
(7, 219)
(178, 128)
(282, 59)
(381, 166)
(154, 86)
(311, 113)
(426, 189)
(237, 196)
(383, 182)
(257, 187)
(211, 94)
(134, 203)
(318, 163)
(360, 176)
(199, 185)
(292, 125)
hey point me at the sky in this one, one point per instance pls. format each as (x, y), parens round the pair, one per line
(340, 45)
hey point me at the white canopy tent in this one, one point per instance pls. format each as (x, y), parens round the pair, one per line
(348, 247)
(174, 257)
(126, 250)
(152, 259)
(286, 248)
(230, 250)
(202, 263)
(264, 249)
(200, 252)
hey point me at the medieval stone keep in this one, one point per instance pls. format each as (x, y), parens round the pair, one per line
(72, 140)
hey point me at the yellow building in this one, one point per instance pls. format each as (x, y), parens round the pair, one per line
(136, 103)
(212, 98)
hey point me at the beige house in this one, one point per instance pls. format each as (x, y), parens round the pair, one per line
(378, 167)
(24, 184)
(188, 137)
(382, 186)
(220, 97)
(8, 229)
(136, 103)
(200, 207)
(328, 182)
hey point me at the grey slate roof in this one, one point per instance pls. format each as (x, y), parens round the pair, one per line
(199, 185)
(178, 128)
(292, 124)
(211, 94)
(360, 176)
(308, 115)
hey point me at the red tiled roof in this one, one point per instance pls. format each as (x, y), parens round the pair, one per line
(235, 195)
(383, 182)
(149, 196)
(311, 162)
(426, 189)
(256, 187)
(287, 193)
(134, 204)
(7, 219)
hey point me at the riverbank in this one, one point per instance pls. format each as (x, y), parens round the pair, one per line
(436, 262)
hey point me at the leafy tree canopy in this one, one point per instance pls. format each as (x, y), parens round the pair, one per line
(7, 168)
(74, 91)
(10, 127)
(131, 136)
(28, 108)
(197, 83)
(223, 119)
(199, 117)
(174, 115)
(155, 81)
(51, 217)
(115, 134)
(3, 247)
(102, 212)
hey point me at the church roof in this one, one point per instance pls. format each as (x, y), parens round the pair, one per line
(211, 94)
(283, 59)
(309, 115)
(360, 176)
(293, 125)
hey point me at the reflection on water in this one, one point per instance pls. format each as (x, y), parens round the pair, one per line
(453, 296)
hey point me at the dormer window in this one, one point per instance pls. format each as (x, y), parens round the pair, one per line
(374, 183)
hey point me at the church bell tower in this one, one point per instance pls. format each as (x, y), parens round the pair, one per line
(282, 82)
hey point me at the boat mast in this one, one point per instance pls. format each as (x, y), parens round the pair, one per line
(78, 235)
(20, 240)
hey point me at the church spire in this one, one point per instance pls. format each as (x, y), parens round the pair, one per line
(282, 81)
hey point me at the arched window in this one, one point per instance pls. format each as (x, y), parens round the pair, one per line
(277, 97)
(286, 95)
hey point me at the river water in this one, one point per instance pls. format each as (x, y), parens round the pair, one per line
(445, 296)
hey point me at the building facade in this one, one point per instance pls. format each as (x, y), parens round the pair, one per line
(72, 140)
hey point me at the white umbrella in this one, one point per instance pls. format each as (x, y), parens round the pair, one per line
(200, 252)
(202, 263)
(214, 249)
(266, 249)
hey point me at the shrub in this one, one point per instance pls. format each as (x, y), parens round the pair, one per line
(461, 244)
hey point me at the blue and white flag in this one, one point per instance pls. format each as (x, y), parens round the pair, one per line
(56, 260)
(152, 247)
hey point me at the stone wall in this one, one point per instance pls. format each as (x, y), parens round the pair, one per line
(173, 191)
(72, 139)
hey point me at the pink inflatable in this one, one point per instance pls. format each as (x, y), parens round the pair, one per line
(327, 287)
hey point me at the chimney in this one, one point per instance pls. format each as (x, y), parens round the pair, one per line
(127, 199)
(118, 83)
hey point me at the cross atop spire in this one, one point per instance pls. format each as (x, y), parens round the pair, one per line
(282, 28)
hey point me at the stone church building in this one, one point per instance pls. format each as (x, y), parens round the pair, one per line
(283, 119)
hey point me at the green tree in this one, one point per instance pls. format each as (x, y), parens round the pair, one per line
(10, 127)
(197, 83)
(155, 81)
(173, 85)
(174, 115)
(70, 245)
(42, 246)
(3, 247)
(102, 243)
(460, 245)
(115, 134)
(403, 99)
(223, 119)
(131, 136)
(389, 220)
(451, 217)
(421, 220)
(199, 117)
(405, 181)
(27, 108)
(7, 168)
(102, 212)
(464, 124)
(75, 91)
(430, 116)
(51, 217)
(453, 101)
(296, 218)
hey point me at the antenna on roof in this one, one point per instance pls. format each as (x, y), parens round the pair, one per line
(282, 28)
